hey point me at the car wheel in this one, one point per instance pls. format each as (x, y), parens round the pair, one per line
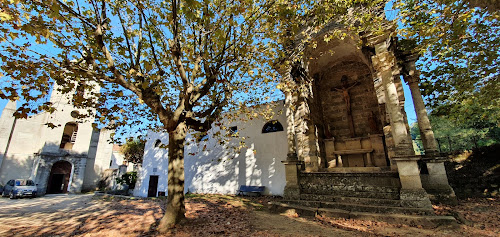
(12, 196)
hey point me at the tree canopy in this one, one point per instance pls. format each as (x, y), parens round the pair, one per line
(133, 150)
(178, 64)
(460, 58)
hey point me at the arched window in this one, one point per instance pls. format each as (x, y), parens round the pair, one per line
(157, 143)
(69, 136)
(272, 126)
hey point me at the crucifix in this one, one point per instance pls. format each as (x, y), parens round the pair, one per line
(347, 99)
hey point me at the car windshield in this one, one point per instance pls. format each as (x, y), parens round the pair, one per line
(24, 182)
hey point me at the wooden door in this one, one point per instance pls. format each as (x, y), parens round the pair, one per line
(153, 185)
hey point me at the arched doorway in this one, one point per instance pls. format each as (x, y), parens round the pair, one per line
(59, 177)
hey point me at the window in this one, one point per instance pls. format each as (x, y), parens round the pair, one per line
(24, 182)
(233, 131)
(272, 126)
(80, 90)
(157, 143)
(75, 114)
(69, 136)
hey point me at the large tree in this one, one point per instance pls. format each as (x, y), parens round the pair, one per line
(180, 63)
(460, 58)
(133, 150)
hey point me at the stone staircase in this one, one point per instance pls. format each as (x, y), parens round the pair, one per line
(359, 196)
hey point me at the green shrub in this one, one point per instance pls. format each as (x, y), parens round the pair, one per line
(128, 178)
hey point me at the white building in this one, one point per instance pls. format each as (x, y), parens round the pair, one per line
(219, 169)
(68, 158)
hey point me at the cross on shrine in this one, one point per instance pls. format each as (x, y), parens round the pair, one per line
(345, 88)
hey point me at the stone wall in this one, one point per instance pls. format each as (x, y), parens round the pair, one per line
(363, 100)
(43, 165)
(369, 185)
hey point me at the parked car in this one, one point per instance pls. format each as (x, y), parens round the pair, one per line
(19, 188)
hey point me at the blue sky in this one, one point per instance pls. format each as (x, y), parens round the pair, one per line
(410, 111)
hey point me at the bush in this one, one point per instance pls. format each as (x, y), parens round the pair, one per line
(128, 178)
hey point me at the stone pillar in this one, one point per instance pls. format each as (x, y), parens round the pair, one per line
(290, 123)
(412, 194)
(437, 185)
(426, 133)
(436, 182)
(292, 163)
(384, 61)
(292, 170)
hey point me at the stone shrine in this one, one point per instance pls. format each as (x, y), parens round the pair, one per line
(348, 135)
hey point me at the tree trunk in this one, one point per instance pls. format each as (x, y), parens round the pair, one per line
(175, 209)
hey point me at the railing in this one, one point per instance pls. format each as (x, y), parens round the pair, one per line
(458, 143)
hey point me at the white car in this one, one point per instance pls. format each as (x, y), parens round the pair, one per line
(20, 188)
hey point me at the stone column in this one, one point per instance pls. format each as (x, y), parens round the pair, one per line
(412, 194)
(384, 61)
(305, 131)
(290, 124)
(436, 182)
(292, 163)
(412, 78)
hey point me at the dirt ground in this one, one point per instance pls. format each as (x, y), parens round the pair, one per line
(216, 215)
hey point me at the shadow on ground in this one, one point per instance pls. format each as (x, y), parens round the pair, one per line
(216, 215)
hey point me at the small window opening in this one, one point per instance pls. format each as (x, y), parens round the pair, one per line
(110, 163)
(233, 131)
(80, 89)
(157, 143)
(75, 114)
(272, 126)
(69, 136)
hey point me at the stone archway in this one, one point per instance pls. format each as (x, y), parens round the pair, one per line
(59, 177)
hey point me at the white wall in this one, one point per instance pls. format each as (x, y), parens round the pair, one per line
(221, 170)
(32, 135)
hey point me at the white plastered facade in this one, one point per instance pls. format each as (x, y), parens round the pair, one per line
(219, 169)
(29, 148)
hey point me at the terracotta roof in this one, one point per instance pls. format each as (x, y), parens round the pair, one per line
(117, 147)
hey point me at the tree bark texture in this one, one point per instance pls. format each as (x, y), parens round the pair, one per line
(175, 209)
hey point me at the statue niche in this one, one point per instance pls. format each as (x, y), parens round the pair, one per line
(344, 89)
(351, 115)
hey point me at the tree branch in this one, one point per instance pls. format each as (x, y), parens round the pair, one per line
(126, 39)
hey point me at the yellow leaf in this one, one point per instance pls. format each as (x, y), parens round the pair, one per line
(4, 16)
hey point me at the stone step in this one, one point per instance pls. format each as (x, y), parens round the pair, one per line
(357, 200)
(332, 188)
(355, 207)
(391, 194)
(357, 188)
(431, 221)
